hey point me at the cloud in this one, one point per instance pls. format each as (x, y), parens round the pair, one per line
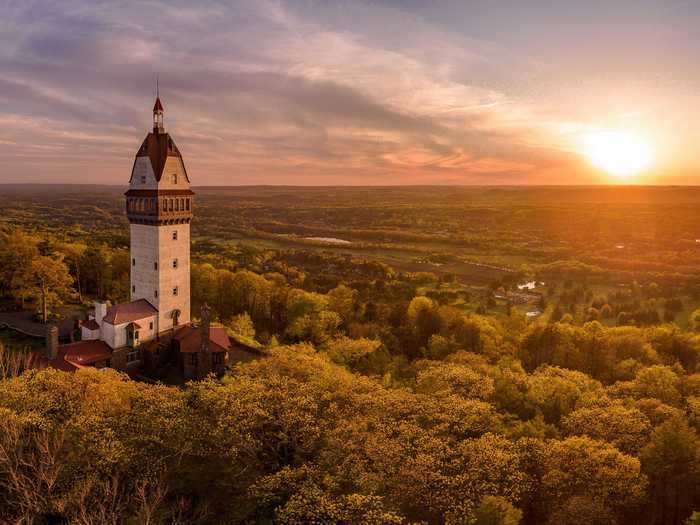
(261, 92)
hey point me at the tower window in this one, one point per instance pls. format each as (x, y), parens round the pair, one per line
(133, 289)
(155, 293)
(187, 203)
(175, 291)
(143, 179)
(177, 204)
(175, 235)
(150, 325)
(155, 265)
(165, 204)
(174, 263)
(133, 262)
(170, 205)
(174, 178)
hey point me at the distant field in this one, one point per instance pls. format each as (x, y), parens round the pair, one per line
(476, 233)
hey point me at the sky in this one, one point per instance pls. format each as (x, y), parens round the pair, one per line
(346, 92)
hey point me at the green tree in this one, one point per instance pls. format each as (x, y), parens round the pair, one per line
(694, 320)
(343, 301)
(17, 251)
(495, 510)
(51, 282)
(74, 253)
(626, 428)
(580, 466)
(242, 325)
(672, 462)
(658, 382)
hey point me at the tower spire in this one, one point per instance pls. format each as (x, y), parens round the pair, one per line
(158, 111)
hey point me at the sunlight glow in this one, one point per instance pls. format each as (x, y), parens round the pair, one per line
(619, 153)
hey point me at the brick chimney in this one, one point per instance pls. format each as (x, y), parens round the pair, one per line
(51, 341)
(100, 311)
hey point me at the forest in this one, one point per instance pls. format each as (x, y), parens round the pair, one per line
(482, 356)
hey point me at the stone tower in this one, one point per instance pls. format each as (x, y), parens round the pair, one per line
(159, 207)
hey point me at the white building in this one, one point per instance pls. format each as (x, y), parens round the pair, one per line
(159, 208)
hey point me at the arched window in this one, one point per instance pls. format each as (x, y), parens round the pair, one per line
(188, 204)
(170, 205)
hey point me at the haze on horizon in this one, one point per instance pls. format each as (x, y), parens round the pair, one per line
(354, 93)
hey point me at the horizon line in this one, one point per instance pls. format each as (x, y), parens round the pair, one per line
(436, 185)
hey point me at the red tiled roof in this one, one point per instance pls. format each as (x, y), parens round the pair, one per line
(217, 335)
(90, 324)
(59, 363)
(85, 352)
(127, 312)
(190, 339)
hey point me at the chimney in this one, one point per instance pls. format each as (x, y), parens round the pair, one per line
(100, 312)
(51, 341)
(204, 327)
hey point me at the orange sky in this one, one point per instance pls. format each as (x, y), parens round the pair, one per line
(340, 92)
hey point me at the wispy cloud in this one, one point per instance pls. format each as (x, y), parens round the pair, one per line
(265, 92)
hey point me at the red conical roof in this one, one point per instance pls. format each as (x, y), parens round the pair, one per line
(157, 106)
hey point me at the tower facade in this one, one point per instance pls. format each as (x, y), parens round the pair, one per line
(159, 207)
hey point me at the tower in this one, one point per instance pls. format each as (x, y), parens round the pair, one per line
(159, 208)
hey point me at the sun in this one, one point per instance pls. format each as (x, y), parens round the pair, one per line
(620, 153)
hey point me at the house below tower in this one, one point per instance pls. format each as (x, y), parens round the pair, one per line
(124, 337)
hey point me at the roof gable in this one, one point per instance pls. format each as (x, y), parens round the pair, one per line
(128, 312)
(190, 339)
(158, 147)
(86, 352)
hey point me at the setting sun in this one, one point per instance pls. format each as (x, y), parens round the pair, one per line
(621, 154)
